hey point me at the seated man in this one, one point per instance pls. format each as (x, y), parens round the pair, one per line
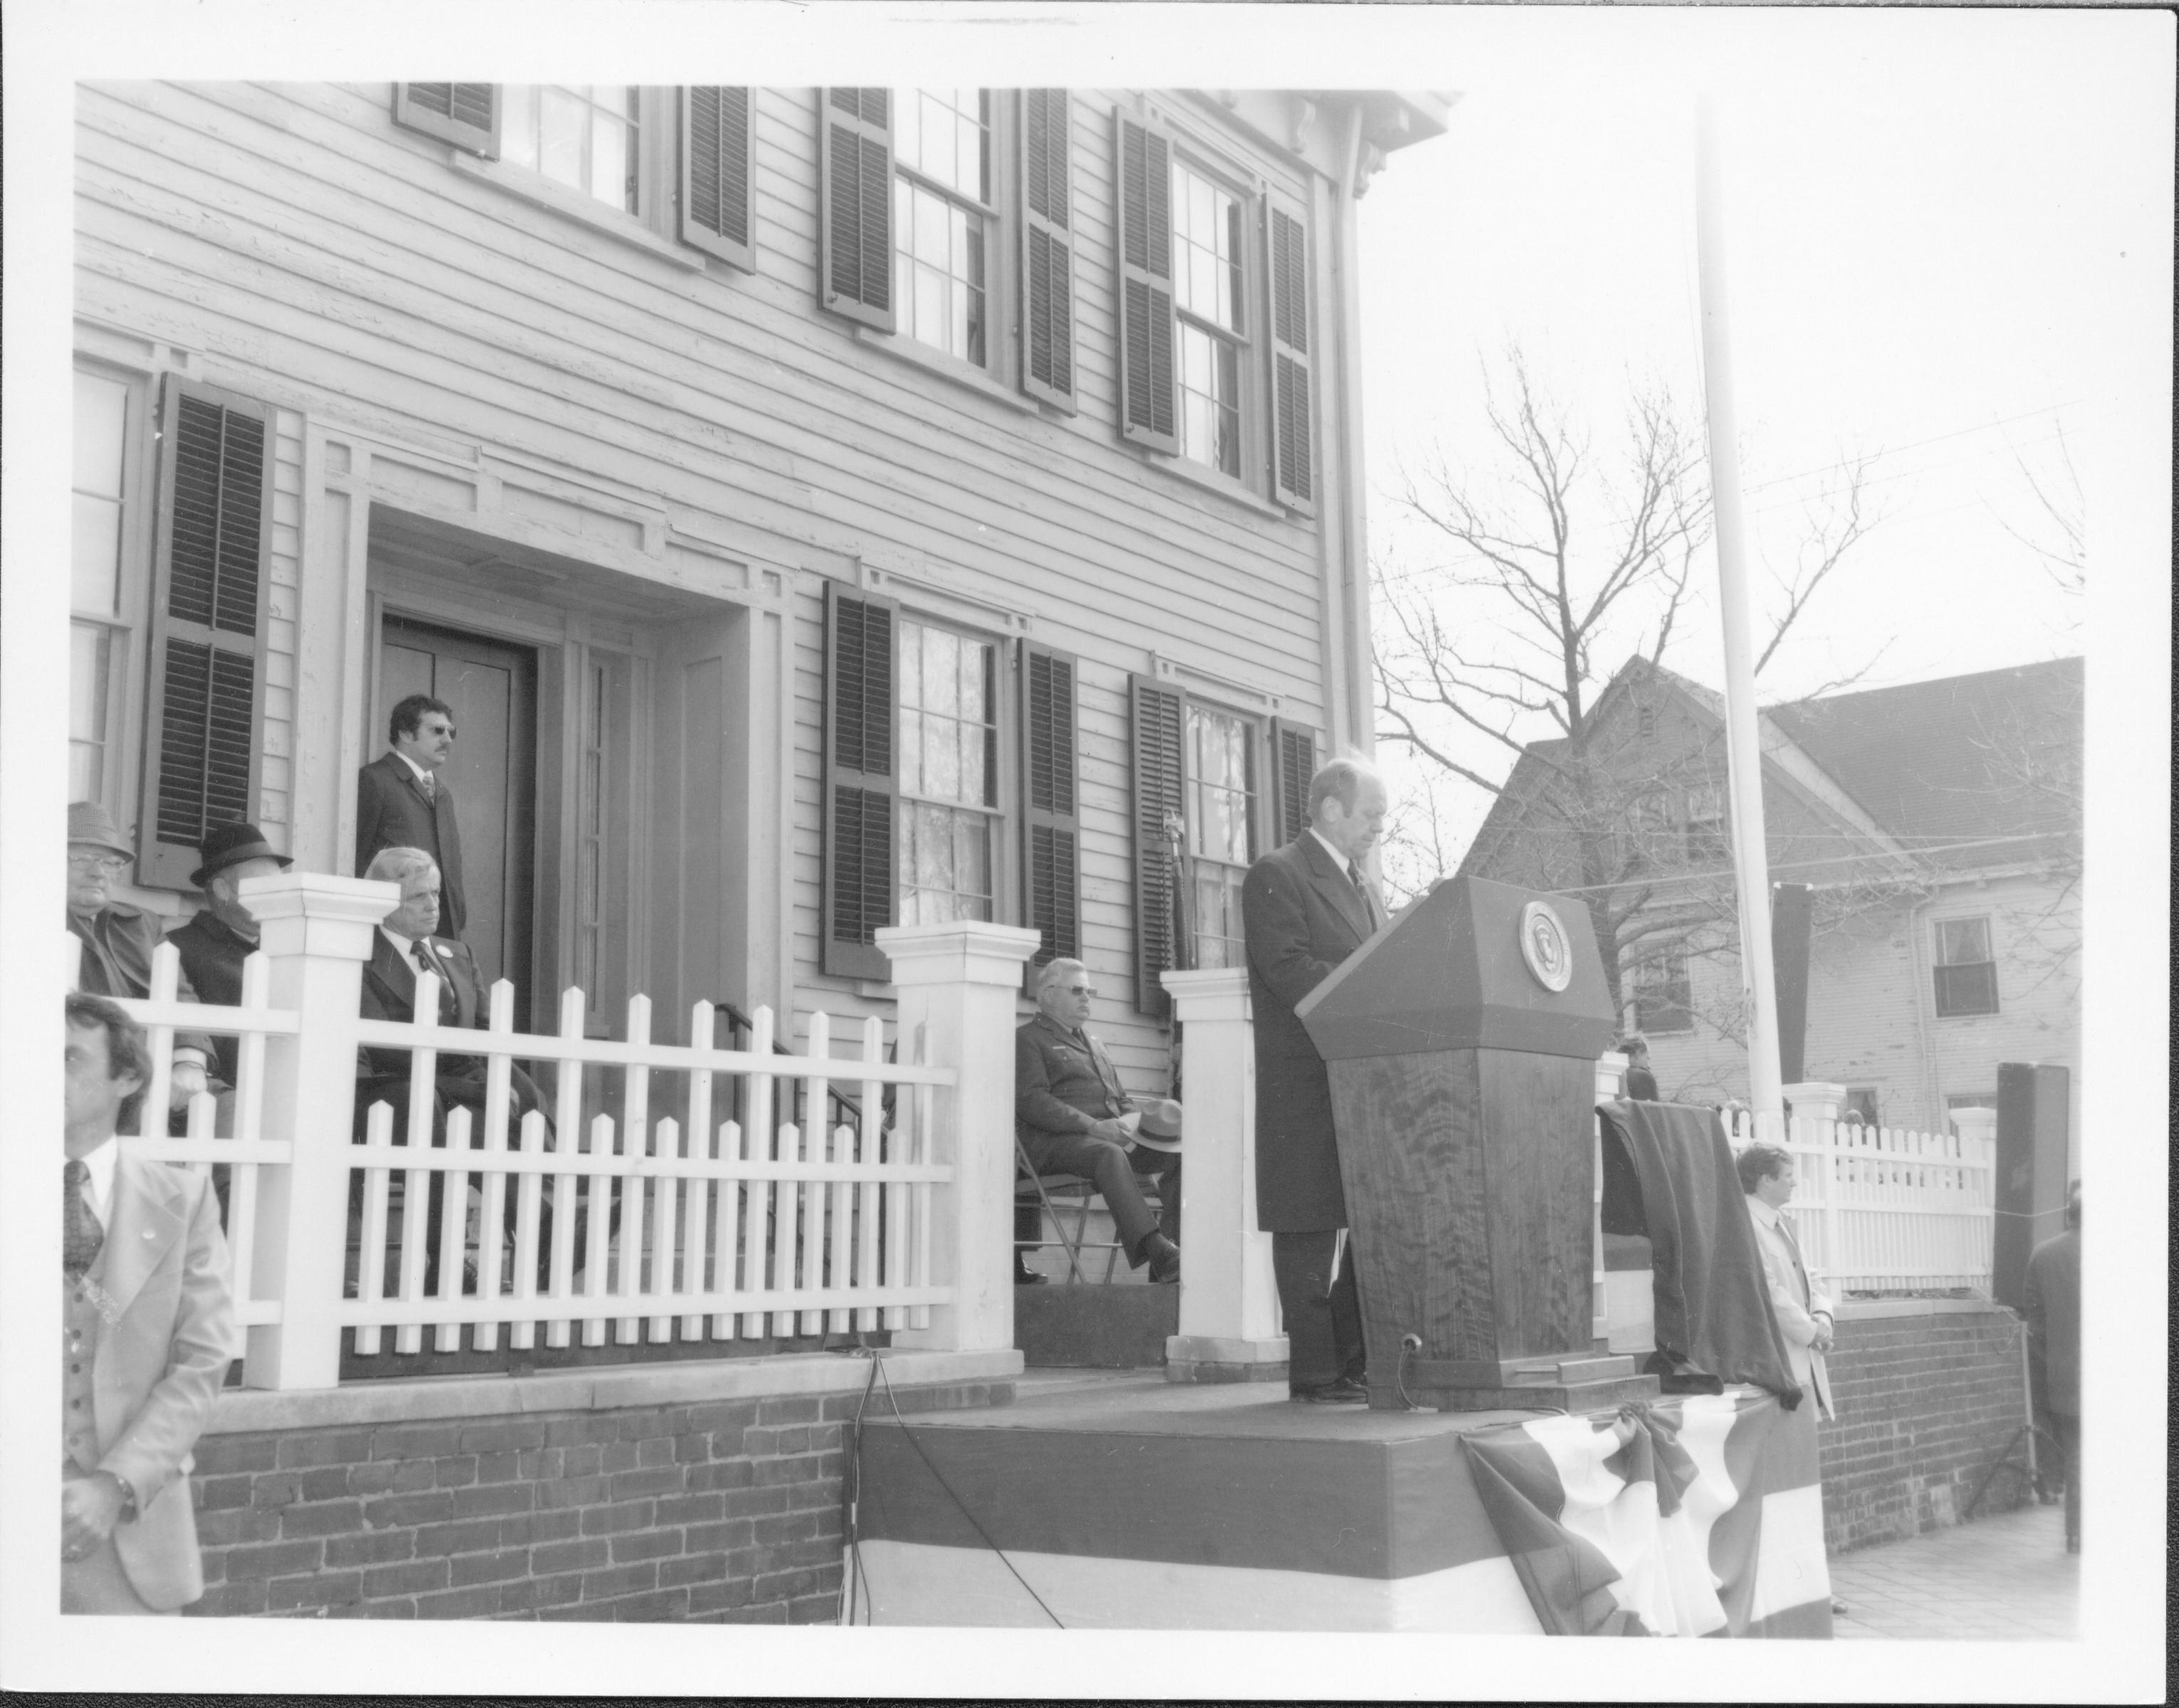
(1067, 1102)
(214, 944)
(117, 941)
(404, 949)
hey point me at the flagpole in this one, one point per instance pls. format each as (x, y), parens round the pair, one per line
(1743, 741)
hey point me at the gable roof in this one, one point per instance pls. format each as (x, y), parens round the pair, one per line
(1964, 769)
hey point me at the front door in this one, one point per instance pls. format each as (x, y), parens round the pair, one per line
(493, 688)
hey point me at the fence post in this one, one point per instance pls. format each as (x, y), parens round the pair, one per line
(960, 982)
(316, 932)
(1229, 1302)
(1978, 1131)
(1611, 1075)
(1816, 1104)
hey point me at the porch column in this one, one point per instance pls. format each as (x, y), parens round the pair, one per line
(1229, 1303)
(960, 982)
(1610, 1073)
(1812, 1135)
(316, 932)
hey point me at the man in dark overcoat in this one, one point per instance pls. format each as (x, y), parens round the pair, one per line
(1305, 908)
(401, 801)
(2053, 1351)
(223, 934)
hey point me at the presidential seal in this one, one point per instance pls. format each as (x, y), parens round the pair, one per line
(1545, 947)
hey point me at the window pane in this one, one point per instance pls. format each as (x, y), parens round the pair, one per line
(945, 864)
(517, 132)
(949, 734)
(95, 576)
(609, 160)
(560, 137)
(102, 415)
(941, 133)
(90, 651)
(1210, 400)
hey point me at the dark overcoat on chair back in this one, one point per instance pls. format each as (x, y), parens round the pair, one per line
(1302, 917)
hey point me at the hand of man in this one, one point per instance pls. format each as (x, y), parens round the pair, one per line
(1111, 1131)
(91, 1506)
(1822, 1343)
(187, 1080)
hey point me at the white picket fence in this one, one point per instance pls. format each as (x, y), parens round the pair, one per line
(697, 1207)
(1884, 1210)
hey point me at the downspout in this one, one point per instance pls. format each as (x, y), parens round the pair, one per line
(1350, 692)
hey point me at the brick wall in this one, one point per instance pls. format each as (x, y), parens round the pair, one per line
(1928, 1396)
(719, 1511)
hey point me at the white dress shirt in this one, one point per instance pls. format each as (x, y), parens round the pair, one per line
(424, 775)
(98, 1185)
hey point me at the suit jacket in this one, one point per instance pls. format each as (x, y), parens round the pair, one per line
(389, 993)
(2053, 1305)
(165, 1335)
(116, 961)
(211, 960)
(1302, 917)
(1795, 1299)
(1060, 1086)
(391, 812)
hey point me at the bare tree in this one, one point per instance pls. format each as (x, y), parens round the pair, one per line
(2057, 536)
(1556, 561)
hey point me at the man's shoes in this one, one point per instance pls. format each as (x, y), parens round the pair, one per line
(1165, 1259)
(1026, 1277)
(1341, 1390)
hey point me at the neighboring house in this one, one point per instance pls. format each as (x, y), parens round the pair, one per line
(1938, 825)
(823, 508)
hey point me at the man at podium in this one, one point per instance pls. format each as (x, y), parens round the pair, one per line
(1305, 908)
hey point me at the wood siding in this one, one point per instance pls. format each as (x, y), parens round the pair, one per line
(306, 251)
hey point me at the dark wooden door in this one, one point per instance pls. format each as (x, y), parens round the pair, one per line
(493, 688)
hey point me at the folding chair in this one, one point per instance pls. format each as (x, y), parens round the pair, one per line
(1053, 1194)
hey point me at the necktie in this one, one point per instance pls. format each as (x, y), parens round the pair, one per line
(80, 1233)
(429, 784)
(1362, 889)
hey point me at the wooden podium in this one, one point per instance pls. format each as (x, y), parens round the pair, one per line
(1461, 1040)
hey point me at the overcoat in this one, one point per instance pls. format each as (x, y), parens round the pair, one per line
(1301, 917)
(164, 1327)
(391, 812)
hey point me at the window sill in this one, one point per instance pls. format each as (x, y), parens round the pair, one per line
(1224, 485)
(540, 192)
(903, 349)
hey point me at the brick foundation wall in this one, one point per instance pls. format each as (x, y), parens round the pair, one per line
(1928, 1394)
(719, 1511)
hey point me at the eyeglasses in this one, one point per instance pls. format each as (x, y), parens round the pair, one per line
(108, 864)
(1082, 990)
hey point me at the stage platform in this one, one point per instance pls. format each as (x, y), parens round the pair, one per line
(1120, 1500)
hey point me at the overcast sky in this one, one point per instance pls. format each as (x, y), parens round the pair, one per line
(1924, 213)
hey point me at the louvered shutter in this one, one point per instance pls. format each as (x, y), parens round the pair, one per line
(466, 114)
(855, 222)
(859, 781)
(715, 173)
(1155, 721)
(1051, 863)
(1047, 321)
(208, 601)
(1293, 482)
(1293, 761)
(1144, 158)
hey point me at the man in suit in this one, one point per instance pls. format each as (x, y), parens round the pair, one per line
(1641, 1083)
(1067, 1104)
(2053, 1311)
(147, 1332)
(1803, 1310)
(117, 941)
(401, 801)
(1305, 908)
(404, 948)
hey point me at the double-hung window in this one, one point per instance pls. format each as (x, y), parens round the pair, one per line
(675, 162)
(169, 581)
(1966, 970)
(1664, 996)
(1213, 788)
(950, 785)
(942, 215)
(1213, 283)
(945, 216)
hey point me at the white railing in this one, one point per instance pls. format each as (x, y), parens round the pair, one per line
(697, 1207)
(1884, 1210)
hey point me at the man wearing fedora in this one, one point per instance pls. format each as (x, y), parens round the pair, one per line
(215, 944)
(118, 940)
(1068, 1102)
